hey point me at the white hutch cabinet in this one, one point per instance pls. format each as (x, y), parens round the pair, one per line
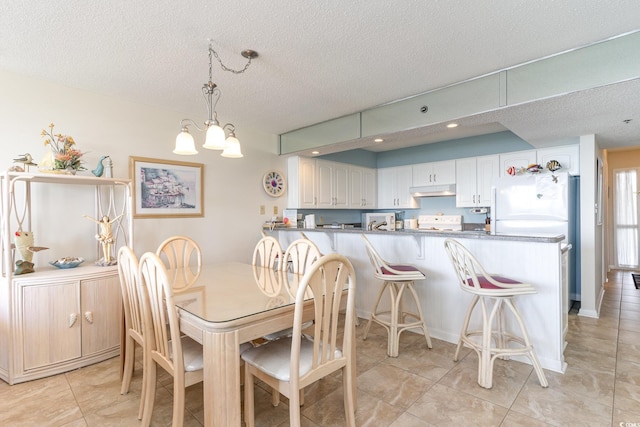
(55, 320)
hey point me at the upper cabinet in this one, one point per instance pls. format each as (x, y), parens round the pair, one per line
(567, 155)
(302, 183)
(474, 177)
(393, 188)
(332, 185)
(517, 159)
(434, 173)
(364, 187)
(316, 183)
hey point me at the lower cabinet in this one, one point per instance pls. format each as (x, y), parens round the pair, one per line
(63, 322)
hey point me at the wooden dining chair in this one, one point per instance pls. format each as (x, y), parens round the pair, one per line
(267, 253)
(179, 355)
(292, 363)
(182, 258)
(133, 323)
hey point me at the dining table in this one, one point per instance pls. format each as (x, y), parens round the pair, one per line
(231, 303)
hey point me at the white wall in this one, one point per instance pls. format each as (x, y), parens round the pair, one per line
(102, 125)
(591, 245)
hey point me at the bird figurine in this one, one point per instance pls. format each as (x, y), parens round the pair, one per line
(26, 159)
(25, 247)
(99, 170)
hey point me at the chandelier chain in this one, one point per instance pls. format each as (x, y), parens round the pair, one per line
(224, 67)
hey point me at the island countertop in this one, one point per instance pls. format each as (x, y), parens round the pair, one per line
(466, 234)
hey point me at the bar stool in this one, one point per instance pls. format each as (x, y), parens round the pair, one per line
(397, 278)
(493, 292)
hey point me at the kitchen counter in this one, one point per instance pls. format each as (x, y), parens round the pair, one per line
(531, 259)
(467, 234)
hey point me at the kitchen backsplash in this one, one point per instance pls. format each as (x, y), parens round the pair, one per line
(428, 206)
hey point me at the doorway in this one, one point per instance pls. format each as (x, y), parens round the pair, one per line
(625, 217)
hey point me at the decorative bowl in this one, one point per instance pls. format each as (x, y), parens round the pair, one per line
(67, 262)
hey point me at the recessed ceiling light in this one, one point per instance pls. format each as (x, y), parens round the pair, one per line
(378, 140)
(452, 125)
(315, 152)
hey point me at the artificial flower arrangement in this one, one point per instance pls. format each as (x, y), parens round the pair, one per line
(63, 154)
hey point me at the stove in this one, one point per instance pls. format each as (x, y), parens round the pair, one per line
(440, 222)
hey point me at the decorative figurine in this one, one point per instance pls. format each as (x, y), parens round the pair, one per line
(553, 165)
(99, 170)
(512, 170)
(26, 160)
(24, 245)
(105, 237)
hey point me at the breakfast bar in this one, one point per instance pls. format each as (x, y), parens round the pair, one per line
(540, 261)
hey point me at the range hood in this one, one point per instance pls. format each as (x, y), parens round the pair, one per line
(433, 190)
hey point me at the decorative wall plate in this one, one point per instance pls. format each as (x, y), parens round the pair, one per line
(274, 183)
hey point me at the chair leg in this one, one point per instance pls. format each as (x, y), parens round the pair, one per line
(294, 408)
(395, 295)
(375, 308)
(525, 337)
(487, 327)
(150, 393)
(178, 403)
(275, 397)
(129, 364)
(349, 398)
(249, 415)
(145, 387)
(421, 317)
(465, 326)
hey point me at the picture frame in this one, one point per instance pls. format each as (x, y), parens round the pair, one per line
(166, 188)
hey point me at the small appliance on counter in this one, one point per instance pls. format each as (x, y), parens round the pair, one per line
(440, 222)
(379, 221)
(310, 221)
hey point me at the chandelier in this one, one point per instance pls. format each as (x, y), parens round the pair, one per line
(215, 138)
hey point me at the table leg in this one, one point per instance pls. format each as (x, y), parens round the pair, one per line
(221, 352)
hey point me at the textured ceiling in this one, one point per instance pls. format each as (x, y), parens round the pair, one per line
(321, 60)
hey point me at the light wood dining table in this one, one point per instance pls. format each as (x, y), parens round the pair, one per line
(229, 304)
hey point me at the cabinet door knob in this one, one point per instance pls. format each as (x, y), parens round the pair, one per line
(89, 316)
(73, 317)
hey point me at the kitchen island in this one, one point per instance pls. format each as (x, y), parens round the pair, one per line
(539, 260)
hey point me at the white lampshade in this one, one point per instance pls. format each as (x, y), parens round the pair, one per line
(232, 148)
(185, 144)
(215, 138)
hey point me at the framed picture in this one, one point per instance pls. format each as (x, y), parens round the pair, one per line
(166, 188)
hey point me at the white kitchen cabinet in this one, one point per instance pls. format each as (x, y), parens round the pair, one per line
(332, 185)
(393, 188)
(363, 189)
(434, 173)
(474, 177)
(56, 320)
(66, 320)
(517, 159)
(302, 183)
(567, 155)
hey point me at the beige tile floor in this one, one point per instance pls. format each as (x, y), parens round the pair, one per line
(419, 388)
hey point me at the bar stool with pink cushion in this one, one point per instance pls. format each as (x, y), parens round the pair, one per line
(494, 292)
(397, 278)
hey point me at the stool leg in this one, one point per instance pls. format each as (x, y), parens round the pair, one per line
(487, 360)
(375, 309)
(465, 326)
(395, 295)
(421, 318)
(525, 336)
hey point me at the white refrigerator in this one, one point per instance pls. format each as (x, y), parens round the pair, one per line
(540, 204)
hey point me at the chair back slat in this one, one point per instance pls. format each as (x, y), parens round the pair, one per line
(182, 258)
